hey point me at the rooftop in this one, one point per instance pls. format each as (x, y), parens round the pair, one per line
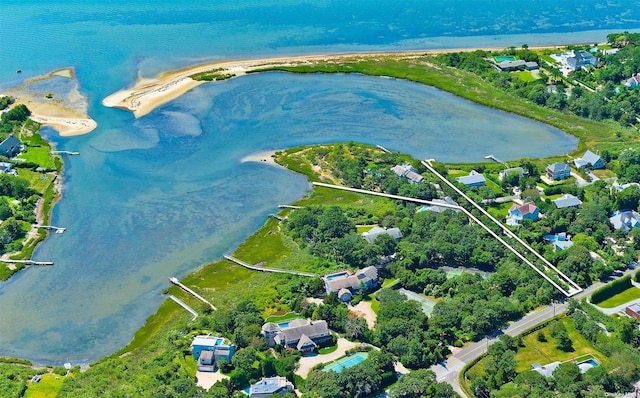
(269, 385)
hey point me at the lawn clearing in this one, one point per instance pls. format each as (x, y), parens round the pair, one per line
(39, 155)
(499, 210)
(282, 318)
(632, 293)
(38, 181)
(546, 352)
(48, 386)
(525, 76)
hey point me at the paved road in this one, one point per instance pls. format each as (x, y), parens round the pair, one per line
(449, 371)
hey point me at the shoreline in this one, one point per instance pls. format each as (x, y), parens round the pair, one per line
(263, 157)
(149, 93)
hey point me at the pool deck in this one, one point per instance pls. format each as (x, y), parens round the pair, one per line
(306, 363)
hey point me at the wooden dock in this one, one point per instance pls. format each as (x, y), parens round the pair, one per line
(65, 153)
(289, 207)
(29, 262)
(383, 148)
(176, 282)
(185, 306)
(58, 230)
(281, 271)
(277, 217)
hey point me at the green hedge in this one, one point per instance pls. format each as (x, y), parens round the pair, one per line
(637, 277)
(611, 289)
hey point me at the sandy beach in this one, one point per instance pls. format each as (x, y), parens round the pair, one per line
(262, 157)
(65, 112)
(148, 94)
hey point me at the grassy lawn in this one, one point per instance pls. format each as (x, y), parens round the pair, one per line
(499, 210)
(38, 155)
(38, 181)
(48, 386)
(630, 294)
(363, 228)
(546, 352)
(375, 304)
(525, 76)
(604, 173)
(282, 318)
(328, 350)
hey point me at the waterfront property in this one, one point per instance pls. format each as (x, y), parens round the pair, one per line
(300, 334)
(207, 350)
(567, 200)
(508, 66)
(371, 235)
(625, 220)
(407, 171)
(513, 170)
(558, 171)
(474, 179)
(633, 311)
(10, 147)
(346, 362)
(345, 284)
(589, 161)
(581, 59)
(528, 211)
(267, 387)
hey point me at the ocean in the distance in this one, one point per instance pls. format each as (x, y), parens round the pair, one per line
(164, 194)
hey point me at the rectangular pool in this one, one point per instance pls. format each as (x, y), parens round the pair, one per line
(336, 276)
(502, 59)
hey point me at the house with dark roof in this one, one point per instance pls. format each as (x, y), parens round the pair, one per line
(633, 81)
(474, 179)
(567, 200)
(508, 66)
(208, 350)
(300, 334)
(345, 284)
(582, 59)
(625, 220)
(267, 387)
(407, 171)
(528, 211)
(589, 161)
(439, 209)
(558, 171)
(10, 147)
(371, 235)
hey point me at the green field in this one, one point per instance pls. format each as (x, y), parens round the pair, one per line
(525, 76)
(282, 318)
(48, 386)
(38, 181)
(499, 210)
(39, 155)
(546, 352)
(624, 297)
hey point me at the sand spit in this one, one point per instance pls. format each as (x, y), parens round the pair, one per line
(148, 94)
(66, 112)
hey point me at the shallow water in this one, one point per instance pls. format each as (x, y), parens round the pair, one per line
(160, 196)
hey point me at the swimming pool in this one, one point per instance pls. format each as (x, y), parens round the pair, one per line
(283, 325)
(588, 364)
(346, 362)
(336, 276)
(501, 59)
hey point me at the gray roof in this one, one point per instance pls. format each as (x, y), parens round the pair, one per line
(207, 341)
(270, 327)
(9, 145)
(567, 200)
(559, 167)
(413, 176)
(562, 244)
(206, 355)
(313, 330)
(472, 179)
(305, 341)
(371, 235)
(402, 170)
(624, 220)
(546, 370)
(270, 385)
(364, 276)
(635, 308)
(439, 209)
(591, 157)
(343, 291)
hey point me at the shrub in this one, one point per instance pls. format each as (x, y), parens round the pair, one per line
(611, 289)
(541, 337)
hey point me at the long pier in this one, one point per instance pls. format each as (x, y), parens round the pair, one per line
(176, 282)
(65, 153)
(289, 207)
(185, 306)
(30, 262)
(281, 271)
(495, 159)
(59, 230)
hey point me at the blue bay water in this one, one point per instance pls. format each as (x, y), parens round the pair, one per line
(164, 194)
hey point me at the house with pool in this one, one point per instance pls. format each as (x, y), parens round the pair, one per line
(208, 350)
(269, 386)
(299, 334)
(346, 284)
